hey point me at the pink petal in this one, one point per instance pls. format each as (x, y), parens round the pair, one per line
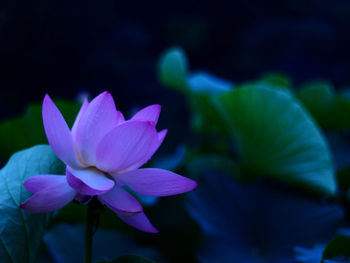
(53, 195)
(125, 145)
(161, 136)
(40, 182)
(77, 119)
(98, 119)
(58, 134)
(139, 221)
(121, 201)
(156, 182)
(121, 118)
(150, 113)
(89, 181)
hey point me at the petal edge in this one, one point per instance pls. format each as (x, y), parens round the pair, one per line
(140, 222)
(98, 119)
(50, 198)
(156, 182)
(88, 181)
(125, 145)
(58, 134)
(120, 201)
(149, 113)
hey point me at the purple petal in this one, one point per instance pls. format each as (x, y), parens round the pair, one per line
(77, 119)
(125, 145)
(120, 117)
(156, 182)
(89, 181)
(53, 195)
(82, 199)
(139, 221)
(58, 134)
(40, 182)
(98, 119)
(161, 136)
(121, 201)
(150, 113)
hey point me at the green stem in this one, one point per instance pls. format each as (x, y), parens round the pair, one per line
(91, 220)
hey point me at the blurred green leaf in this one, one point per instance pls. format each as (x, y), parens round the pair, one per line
(205, 116)
(213, 162)
(339, 145)
(199, 87)
(314, 255)
(173, 69)
(276, 137)
(276, 79)
(27, 130)
(329, 109)
(343, 177)
(206, 83)
(337, 247)
(21, 232)
(130, 259)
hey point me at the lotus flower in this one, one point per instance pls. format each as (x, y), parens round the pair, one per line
(103, 152)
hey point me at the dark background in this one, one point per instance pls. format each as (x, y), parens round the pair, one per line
(66, 47)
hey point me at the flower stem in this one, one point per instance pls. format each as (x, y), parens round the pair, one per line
(90, 228)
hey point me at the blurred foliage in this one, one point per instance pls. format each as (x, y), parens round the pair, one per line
(277, 79)
(206, 83)
(336, 251)
(108, 245)
(309, 255)
(338, 247)
(21, 232)
(272, 131)
(203, 163)
(330, 109)
(174, 69)
(274, 135)
(173, 72)
(257, 222)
